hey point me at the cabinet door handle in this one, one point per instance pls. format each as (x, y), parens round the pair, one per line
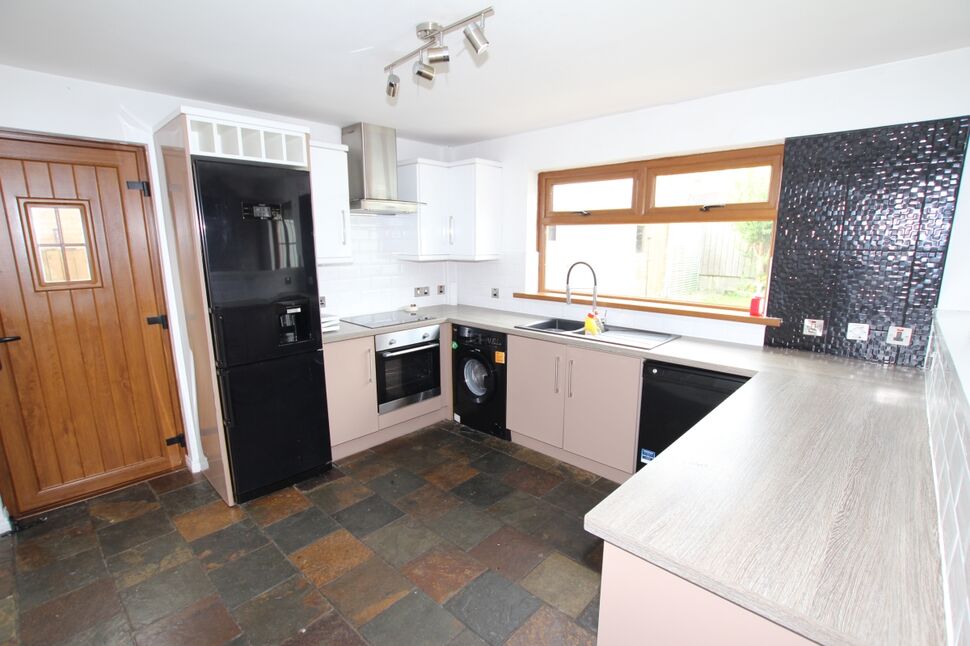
(370, 365)
(569, 378)
(556, 388)
(451, 229)
(343, 225)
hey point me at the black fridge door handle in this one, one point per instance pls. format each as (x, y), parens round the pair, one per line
(8, 339)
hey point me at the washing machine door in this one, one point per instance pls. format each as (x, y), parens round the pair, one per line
(476, 376)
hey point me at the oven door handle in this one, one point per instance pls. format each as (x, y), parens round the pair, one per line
(388, 355)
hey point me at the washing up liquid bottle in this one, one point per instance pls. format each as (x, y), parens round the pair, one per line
(591, 325)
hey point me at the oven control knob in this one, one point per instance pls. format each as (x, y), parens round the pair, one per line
(425, 335)
(392, 342)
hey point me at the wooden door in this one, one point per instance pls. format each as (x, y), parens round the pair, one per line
(536, 387)
(351, 389)
(87, 395)
(602, 407)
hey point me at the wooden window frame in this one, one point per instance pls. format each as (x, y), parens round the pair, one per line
(87, 221)
(644, 174)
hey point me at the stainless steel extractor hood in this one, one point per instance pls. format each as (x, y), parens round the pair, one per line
(372, 159)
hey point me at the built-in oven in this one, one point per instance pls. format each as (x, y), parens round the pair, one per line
(408, 367)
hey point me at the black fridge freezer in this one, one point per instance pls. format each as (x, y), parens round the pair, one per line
(257, 242)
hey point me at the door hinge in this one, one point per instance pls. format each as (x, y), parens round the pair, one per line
(161, 319)
(140, 186)
(178, 439)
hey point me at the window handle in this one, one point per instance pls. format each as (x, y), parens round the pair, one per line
(585, 214)
(708, 207)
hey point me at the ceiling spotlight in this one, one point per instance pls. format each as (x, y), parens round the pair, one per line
(476, 37)
(423, 70)
(393, 82)
(438, 54)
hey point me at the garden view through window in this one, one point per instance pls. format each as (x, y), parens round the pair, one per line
(702, 237)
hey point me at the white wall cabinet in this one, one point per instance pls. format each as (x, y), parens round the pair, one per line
(583, 401)
(460, 215)
(330, 199)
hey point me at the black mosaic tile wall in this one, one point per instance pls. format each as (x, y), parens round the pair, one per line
(863, 226)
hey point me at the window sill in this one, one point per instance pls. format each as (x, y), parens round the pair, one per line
(697, 311)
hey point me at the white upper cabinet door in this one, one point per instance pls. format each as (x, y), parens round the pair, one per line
(330, 200)
(426, 181)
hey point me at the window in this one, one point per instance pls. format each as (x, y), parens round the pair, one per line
(693, 231)
(60, 237)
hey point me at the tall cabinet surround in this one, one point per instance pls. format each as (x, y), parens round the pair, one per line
(863, 227)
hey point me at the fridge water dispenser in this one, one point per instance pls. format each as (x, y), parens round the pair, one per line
(293, 317)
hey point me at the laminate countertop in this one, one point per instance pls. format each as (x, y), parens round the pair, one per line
(806, 497)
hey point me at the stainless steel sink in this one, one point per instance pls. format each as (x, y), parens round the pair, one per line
(554, 325)
(643, 339)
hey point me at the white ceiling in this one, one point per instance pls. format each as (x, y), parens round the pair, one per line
(551, 61)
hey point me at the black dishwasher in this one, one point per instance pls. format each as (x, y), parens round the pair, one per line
(674, 399)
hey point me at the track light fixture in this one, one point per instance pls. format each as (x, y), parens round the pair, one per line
(434, 51)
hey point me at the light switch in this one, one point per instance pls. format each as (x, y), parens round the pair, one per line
(899, 335)
(857, 332)
(813, 327)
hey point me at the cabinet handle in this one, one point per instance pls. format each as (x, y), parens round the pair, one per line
(556, 388)
(569, 378)
(370, 366)
(343, 225)
(451, 230)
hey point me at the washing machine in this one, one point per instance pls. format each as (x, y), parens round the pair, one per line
(478, 374)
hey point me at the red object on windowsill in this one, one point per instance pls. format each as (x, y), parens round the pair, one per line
(755, 309)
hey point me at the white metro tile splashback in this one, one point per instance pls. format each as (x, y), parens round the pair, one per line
(948, 411)
(376, 281)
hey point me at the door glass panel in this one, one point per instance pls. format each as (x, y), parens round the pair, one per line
(727, 186)
(475, 376)
(72, 227)
(600, 195)
(78, 267)
(52, 263)
(44, 223)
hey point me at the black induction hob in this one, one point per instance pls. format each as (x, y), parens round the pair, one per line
(387, 319)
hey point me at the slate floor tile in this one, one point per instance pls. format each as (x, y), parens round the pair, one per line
(122, 505)
(279, 613)
(276, 506)
(605, 486)
(415, 620)
(207, 519)
(566, 534)
(531, 479)
(403, 540)
(550, 627)
(8, 619)
(329, 630)
(396, 484)
(43, 584)
(251, 575)
(165, 593)
(449, 474)
(467, 638)
(465, 526)
(575, 498)
(70, 614)
(187, 498)
(53, 520)
(510, 552)
(115, 631)
(330, 557)
(563, 583)
(368, 515)
(51, 546)
(367, 590)
(427, 503)
(493, 607)
(495, 463)
(148, 559)
(590, 617)
(462, 450)
(482, 490)
(206, 622)
(228, 544)
(340, 494)
(366, 466)
(319, 480)
(443, 571)
(129, 533)
(175, 480)
(301, 529)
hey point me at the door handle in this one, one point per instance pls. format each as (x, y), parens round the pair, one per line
(388, 355)
(451, 230)
(569, 378)
(370, 366)
(556, 387)
(343, 225)
(8, 339)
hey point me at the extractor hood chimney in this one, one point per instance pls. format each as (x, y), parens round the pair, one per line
(372, 159)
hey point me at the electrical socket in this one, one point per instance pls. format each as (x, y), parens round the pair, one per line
(441, 290)
(857, 332)
(421, 291)
(323, 301)
(898, 335)
(813, 327)
(495, 292)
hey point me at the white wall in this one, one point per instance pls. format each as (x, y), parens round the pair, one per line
(913, 90)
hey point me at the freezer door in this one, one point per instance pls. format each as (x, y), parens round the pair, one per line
(277, 426)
